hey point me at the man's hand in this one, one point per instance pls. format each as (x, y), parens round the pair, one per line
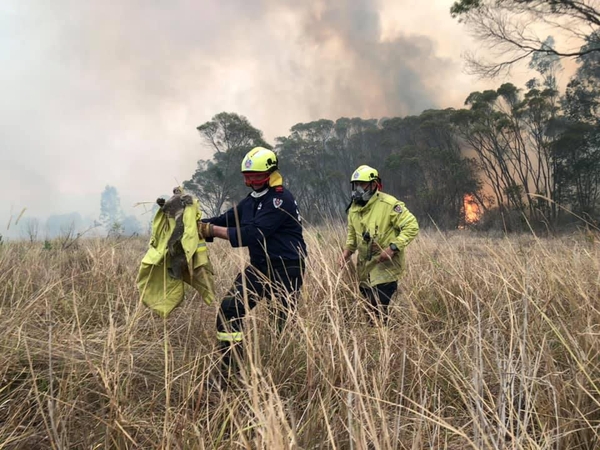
(344, 258)
(386, 255)
(205, 230)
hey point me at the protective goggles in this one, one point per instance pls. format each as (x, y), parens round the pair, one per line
(256, 178)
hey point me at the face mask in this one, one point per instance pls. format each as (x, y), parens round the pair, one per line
(360, 196)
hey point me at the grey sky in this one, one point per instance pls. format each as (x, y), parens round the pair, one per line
(110, 92)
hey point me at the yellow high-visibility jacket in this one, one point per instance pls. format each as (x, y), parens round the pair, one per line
(373, 227)
(158, 290)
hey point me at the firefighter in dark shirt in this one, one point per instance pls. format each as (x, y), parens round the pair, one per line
(267, 221)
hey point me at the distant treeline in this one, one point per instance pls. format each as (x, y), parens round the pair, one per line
(525, 156)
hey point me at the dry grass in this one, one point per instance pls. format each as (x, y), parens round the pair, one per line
(494, 343)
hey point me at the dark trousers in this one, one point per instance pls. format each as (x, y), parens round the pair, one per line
(281, 280)
(378, 299)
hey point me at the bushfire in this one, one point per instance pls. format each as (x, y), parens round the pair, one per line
(471, 208)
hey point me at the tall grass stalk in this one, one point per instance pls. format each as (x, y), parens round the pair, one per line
(493, 343)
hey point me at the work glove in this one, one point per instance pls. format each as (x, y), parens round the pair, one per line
(205, 230)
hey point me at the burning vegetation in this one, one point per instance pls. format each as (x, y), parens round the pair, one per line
(472, 211)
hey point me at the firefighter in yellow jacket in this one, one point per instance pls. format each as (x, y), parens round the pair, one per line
(379, 228)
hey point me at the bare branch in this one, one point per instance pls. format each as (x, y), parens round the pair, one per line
(506, 28)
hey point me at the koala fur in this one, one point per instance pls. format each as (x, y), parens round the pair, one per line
(173, 208)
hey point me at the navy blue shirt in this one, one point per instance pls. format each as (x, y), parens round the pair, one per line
(270, 226)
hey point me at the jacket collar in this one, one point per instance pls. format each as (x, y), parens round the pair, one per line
(259, 194)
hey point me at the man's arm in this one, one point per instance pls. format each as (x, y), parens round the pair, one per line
(220, 232)
(224, 220)
(406, 224)
(214, 226)
(350, 246)
(273, 214)
(270, 219)
(407, 229)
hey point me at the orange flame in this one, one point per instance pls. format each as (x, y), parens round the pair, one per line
(472, 211)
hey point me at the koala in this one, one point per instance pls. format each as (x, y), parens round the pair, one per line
(173, 208)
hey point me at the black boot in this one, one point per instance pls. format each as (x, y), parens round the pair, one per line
(231, 357)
